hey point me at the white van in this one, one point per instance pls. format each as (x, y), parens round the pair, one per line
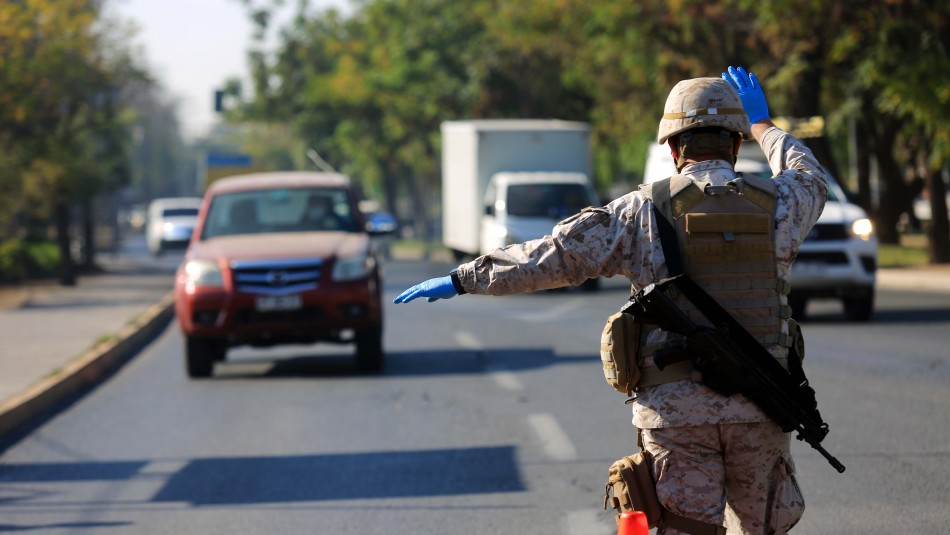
(837, 260)
(170, 222)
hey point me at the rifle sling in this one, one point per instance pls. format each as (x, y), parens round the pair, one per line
(663, 211)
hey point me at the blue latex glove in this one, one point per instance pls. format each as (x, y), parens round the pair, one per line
(750, 92)
(433, 289)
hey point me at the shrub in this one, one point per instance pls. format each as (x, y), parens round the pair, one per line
(21, 260)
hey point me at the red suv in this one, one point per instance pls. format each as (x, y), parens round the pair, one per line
(279, 258)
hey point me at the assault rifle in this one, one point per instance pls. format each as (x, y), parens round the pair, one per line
(731, 360)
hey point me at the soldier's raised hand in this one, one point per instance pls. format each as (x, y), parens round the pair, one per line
(750, 92)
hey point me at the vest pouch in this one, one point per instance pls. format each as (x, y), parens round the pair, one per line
(630, 487)
(620, 351)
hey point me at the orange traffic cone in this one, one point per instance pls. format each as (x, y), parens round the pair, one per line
(632, 523)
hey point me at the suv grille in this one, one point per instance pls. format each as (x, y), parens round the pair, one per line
(827, 232)
(276, 277)
(831, 257)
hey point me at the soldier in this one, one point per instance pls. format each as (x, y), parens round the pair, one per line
(717, 460)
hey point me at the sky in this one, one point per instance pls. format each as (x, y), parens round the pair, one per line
(193, 46)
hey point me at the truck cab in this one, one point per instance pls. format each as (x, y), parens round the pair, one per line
(524, 206)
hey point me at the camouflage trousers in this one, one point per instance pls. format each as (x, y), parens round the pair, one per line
(737, 475)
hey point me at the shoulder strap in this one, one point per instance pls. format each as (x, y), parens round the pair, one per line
(663, 211)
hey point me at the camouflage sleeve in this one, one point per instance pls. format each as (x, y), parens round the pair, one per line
(597, 242)
(800, 187)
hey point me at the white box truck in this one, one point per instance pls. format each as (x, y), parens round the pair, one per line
(507, 181)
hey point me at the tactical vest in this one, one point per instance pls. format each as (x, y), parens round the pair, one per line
(726, 238)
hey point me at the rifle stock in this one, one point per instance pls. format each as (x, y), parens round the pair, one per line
(731, 360)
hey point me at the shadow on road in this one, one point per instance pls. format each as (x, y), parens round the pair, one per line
(295, 478)
(917, 315)
(407, 364)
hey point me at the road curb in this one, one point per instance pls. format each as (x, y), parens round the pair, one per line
(87, 369)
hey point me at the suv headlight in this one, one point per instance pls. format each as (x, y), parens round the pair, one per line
(202, 274)
(863, 228)
(352, 268)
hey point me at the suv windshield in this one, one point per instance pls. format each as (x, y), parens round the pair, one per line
(279, 210)
(556, 201)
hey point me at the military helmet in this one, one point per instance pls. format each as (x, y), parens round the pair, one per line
(701, 102)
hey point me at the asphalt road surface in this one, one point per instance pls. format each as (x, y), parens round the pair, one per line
(492, 417)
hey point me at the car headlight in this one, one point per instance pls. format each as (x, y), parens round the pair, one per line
(202, 274)
(352, 268)
(863, 228)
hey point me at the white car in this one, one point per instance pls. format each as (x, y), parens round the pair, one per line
(170, 223)
(838, 258)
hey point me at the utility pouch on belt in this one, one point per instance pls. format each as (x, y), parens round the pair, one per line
(631, 484)
(630, 487)
(620, 349)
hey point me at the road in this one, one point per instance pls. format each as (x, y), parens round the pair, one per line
(491, 417)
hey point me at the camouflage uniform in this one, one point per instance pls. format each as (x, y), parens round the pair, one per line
(687, 423)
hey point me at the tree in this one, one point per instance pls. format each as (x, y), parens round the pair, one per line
(62, 77)
(370, 90)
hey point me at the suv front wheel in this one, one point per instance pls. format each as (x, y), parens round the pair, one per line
(201, 354)
(859, 307)
(369, 349)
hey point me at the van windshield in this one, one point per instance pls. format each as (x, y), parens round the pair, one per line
(556, 201)
(180, 212)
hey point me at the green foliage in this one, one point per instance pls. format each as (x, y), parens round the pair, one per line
(63, 71)
(894, 256)
(369, 91)
(20, 260)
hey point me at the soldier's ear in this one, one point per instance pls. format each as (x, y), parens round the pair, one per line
(673, 150)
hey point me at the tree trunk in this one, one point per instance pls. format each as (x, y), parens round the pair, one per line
(807, 103)
(897, 195)
(67, 269)
(938, 233)
(88, 255)
(426, 209)
(889, 211)
(862, 161)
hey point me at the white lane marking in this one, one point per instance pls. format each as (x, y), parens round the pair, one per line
(504, 378)
(563, 308)
(554, 440)
(162, 468)
(587, 522)
(467, 340)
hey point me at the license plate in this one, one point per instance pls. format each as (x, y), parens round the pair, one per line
(271, 303)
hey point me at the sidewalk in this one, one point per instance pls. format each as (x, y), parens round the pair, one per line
(58, 340)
